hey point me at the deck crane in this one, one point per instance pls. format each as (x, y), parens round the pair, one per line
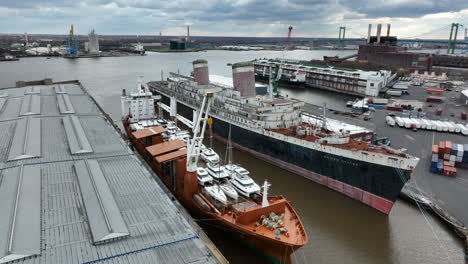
(193, 151)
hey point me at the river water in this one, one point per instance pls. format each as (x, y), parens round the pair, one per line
(340, 229)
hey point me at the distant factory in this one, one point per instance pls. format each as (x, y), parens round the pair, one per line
(383, 50)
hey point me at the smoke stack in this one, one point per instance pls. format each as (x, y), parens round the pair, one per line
(388, 30)
(188, 33)
(466, 34)
(379, 31)
(244, 78)
(369, 33)
(200, 72)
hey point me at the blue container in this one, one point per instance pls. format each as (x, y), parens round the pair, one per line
(434, 164)
(435, 170)
(440, 164)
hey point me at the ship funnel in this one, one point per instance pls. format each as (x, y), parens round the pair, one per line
(244, 78)
(388, 30)
(200, 72)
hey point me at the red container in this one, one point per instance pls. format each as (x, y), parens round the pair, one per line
(439, 111)
(441, 149)
(448, 147)
(394, 108)
(435, 149)
(437, 91)
(457, 164)
(464, 115)
(434, 99)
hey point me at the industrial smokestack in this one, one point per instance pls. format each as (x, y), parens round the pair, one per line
(200, 72)
(244, 78)
(369, 33)
(379, 31)
(388, 30)
(188, 33)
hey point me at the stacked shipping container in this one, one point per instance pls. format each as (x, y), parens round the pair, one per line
(447, 157)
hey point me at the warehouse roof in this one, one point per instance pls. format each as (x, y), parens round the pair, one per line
(72, 192)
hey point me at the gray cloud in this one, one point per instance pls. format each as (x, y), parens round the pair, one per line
(222, 17)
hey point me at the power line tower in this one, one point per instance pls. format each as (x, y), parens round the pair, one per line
(341, 37)
(288, 40)
(453, 38)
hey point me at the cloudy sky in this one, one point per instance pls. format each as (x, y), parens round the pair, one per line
(310, 18)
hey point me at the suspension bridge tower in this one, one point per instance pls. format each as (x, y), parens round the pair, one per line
(341, 38)
(453, 38)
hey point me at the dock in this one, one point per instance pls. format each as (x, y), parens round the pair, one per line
(444, 196)
(72, 191)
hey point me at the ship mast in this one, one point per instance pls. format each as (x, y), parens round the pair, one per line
(195, 143)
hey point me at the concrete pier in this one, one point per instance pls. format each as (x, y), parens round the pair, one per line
(73, 192)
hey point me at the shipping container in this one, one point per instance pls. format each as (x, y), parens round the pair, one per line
(446, 156)
(435, 91)
(440, 164)
(394, 93)
(448, 147)
(434, 99)
(400, 86)
(435, 157)
(379, 101)
(464, 115)
(460, 150)
(446, 163)
(435, 149)
(379, 107)
(394, 108)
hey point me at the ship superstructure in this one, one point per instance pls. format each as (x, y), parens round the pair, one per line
(275, 129)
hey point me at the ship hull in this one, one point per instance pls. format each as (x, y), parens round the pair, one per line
(375, 185)
(274, 250)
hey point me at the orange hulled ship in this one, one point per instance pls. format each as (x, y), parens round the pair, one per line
(266, 223)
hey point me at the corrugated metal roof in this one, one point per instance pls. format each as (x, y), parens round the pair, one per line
(2, 103)
(149, 132)
(59, 89)
(171, 156)
(26, 140)
(165, 147)
(104, 217)
(77, 140)
(32, 90)
(65, 105)
(158, 231)
(31, 105)
(20, 220)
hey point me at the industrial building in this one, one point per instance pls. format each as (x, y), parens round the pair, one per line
(92, 46)
(348, 81)
(71, 191)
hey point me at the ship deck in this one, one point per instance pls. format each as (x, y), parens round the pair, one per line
(71, 191)
(351, 145)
